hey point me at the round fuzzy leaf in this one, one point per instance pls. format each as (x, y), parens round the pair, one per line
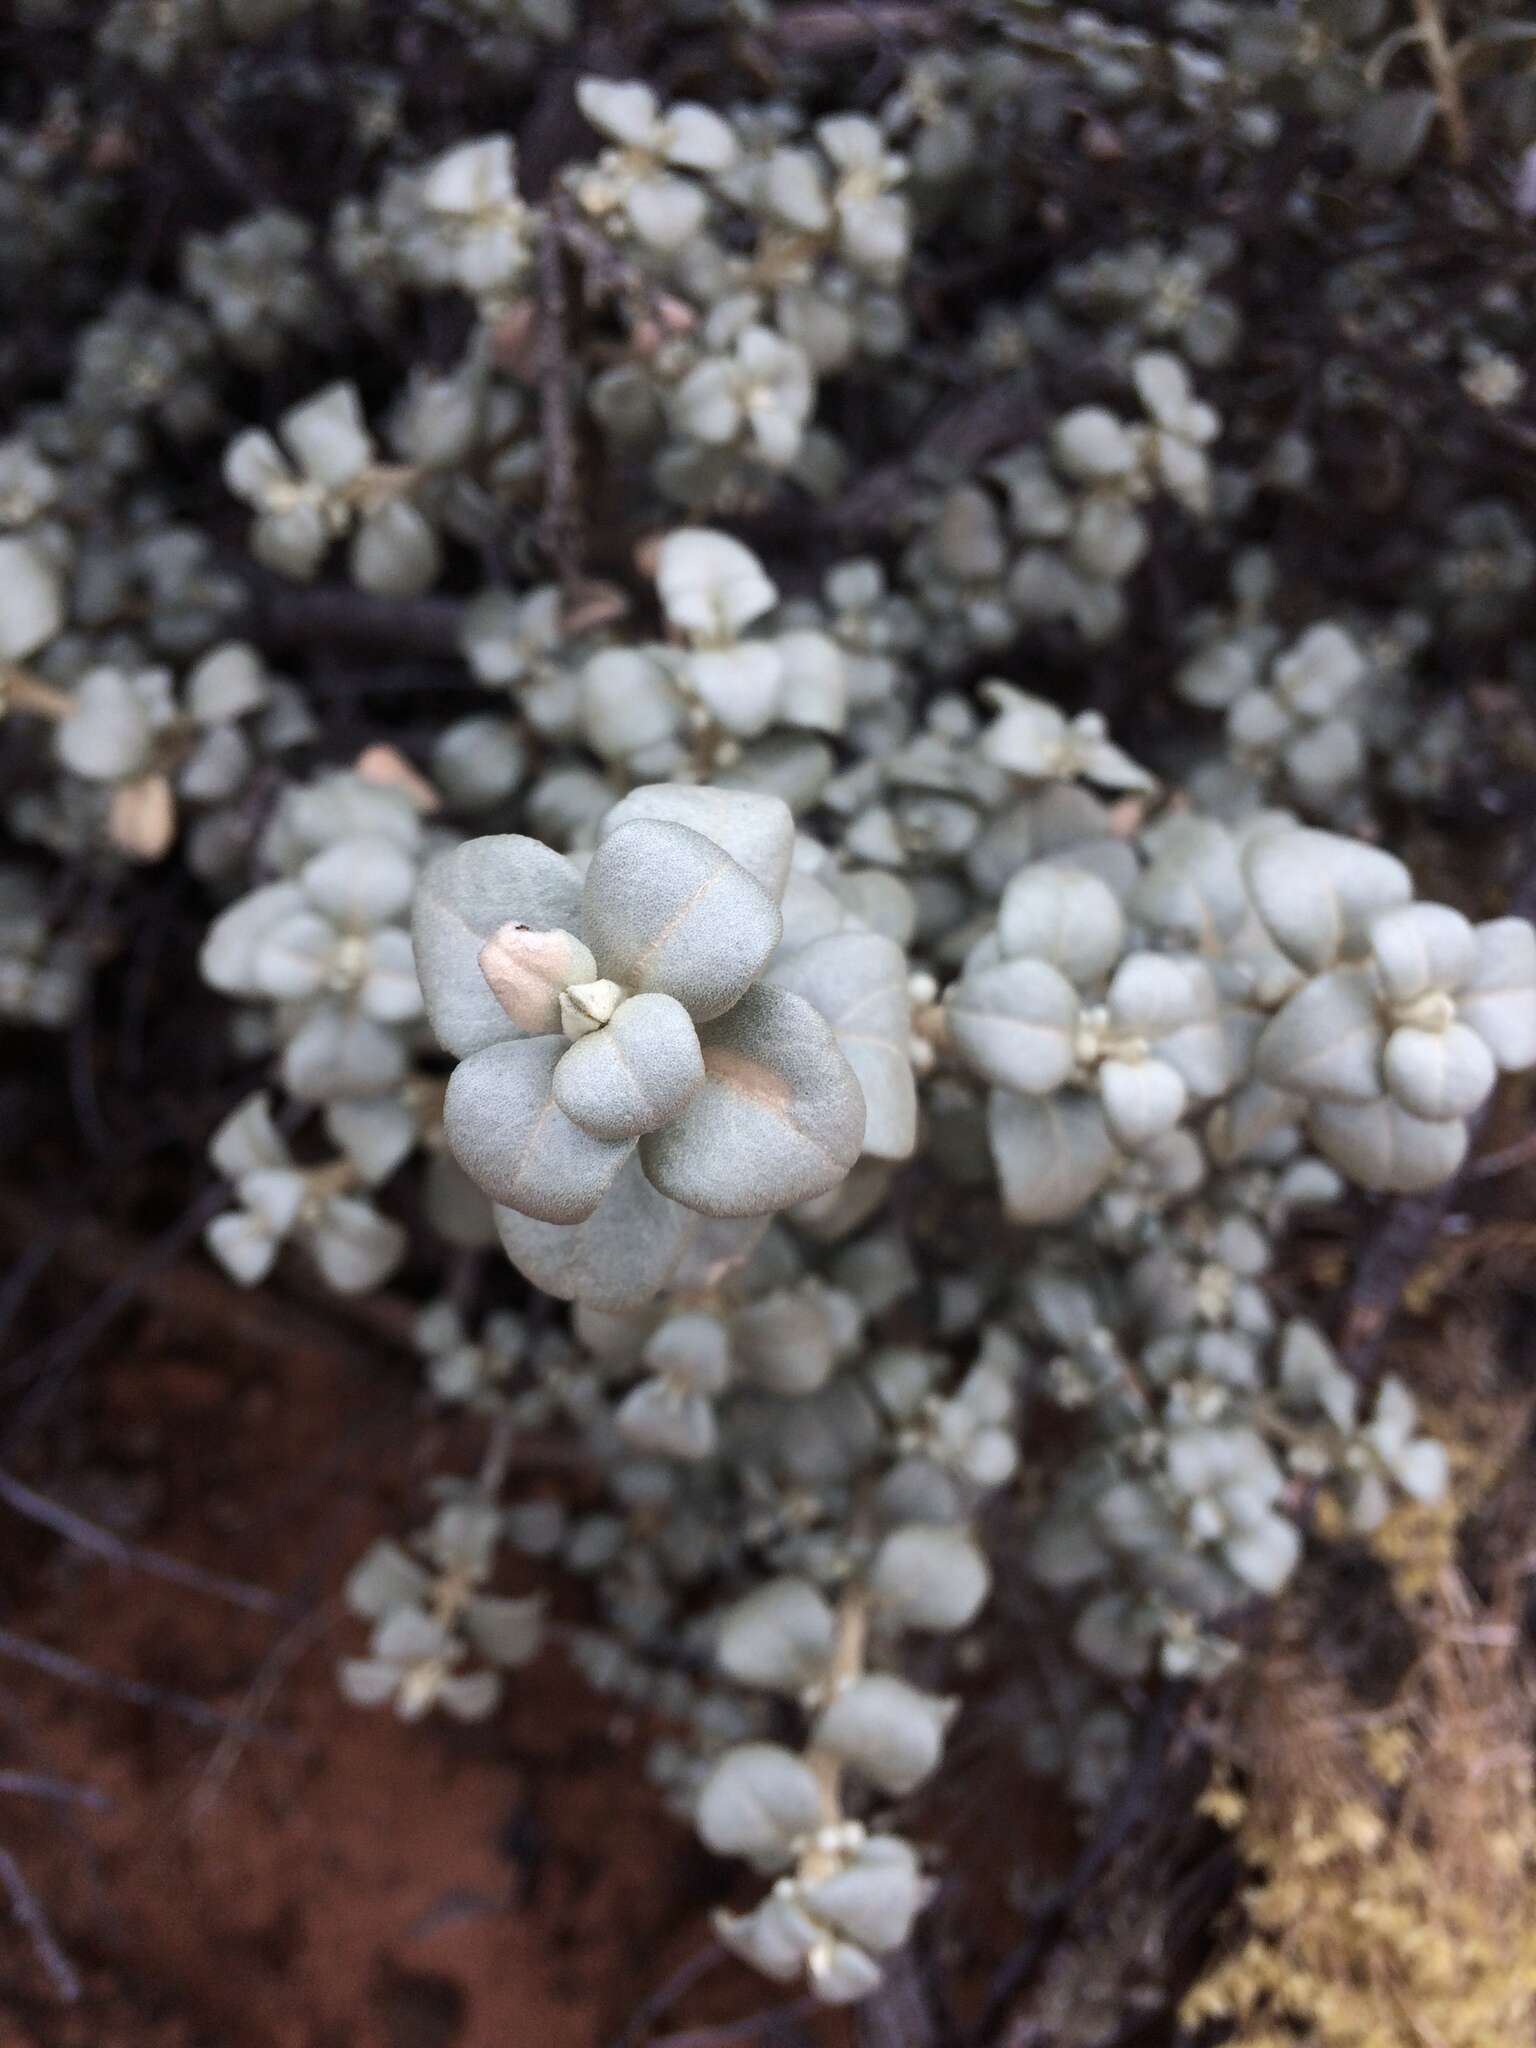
(1142, 1100)
(1193, 891)
(1422, 946)
(527, 970)
(1052, 1156)
(1014, 1024)
(778, 1638)
(635, 1074)
(230, 952)
(667, 911)
(360, 881)
(107, 733)
(738, 686)
(31, 598)
(627, 702)
(858, 981)
(339, 1052)
(757, 1802)
(1382, 1146)
(887, 1730)
(710, 585)
(516, 1143)
(780, 1116)
(758, 832)
(354, 1246)
(1064, 916)
(1317, 893)
(668, 1422)
(1326, 1043)
(927, 1578)
(461, 900)
(1499, 1000)
(1438, 1074)
(618, 1259)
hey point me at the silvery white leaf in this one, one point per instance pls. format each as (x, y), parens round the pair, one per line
(876, 1895)
(624, 109)
(1092, 446)
(1499, 998)
(738, 686)
(243, 1245)
(247, 1139)
(1015, 1025)
(328, 436)
(384, 1578)
(697, 138)
(1422, 946)
(1064, 916)
(1327, 1041)
(228, 683)
(527, 970)
(668, 1422)
(619, 1258)
(354, 1246)
(774, 1938)
(1317, 672)
(779, 1637)
(508, 1632)
(338, 1051)
(360, 881)
(1193, 890)
(1142, 1100)
(375, 1136)
(813, 689)
(930, 1579)
(293, 961)
(1317, 893)
(31, 598)
(780, 1116)
(107, 735)
(858, 981)
(757, 831)
(635, 1074)
(1438, 1074)
(666, 911)
(885, 1729)
(461, 900)
(1052, 1155)
(516, 1143)
(1382, 1146)
(478, 762)
(757, 1802)
(394, 552)
(785, 1342)
(711, 587)
(691, 1349)
(627, 702)
(1265, 1555)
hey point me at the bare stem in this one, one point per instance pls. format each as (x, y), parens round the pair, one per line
(1446, 76)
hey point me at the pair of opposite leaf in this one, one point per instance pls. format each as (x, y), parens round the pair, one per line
(642, 1046)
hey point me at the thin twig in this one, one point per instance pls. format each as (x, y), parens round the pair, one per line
(29, 1915)
(275, 1667)
(1446, 76)
(830, 31)
(134, 1692)
(682, 1980)
(53, 1791)
(103, 1543)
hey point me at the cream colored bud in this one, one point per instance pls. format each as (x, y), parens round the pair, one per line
(587, 1006)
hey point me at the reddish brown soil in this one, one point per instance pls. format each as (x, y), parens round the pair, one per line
(333, 1879)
